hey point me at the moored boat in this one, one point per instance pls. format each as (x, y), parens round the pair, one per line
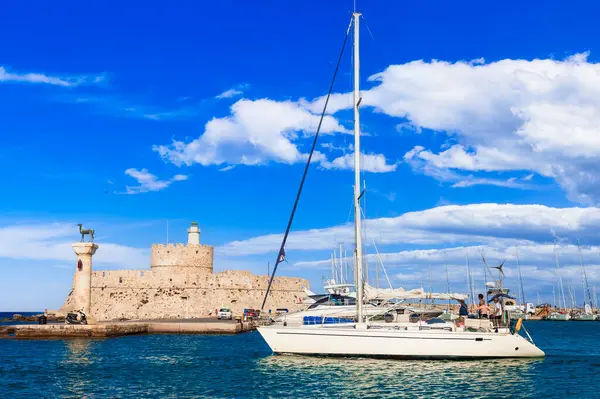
(396, 336)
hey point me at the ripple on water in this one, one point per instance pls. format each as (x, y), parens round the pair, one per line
(188, 366)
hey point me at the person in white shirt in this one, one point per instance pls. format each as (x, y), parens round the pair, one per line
(497, 314)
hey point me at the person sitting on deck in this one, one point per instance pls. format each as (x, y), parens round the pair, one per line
(464, 309)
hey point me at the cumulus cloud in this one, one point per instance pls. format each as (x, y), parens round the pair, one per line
(53, 241)
(540, 116)
(148, 181)
(257, 132)
(537, 262)
(451, 224)
(375, 163)
(40, 78)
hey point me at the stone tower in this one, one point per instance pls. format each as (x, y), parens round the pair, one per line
(191, 258)
(82, 281)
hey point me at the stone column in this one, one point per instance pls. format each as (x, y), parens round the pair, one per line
(82, 284)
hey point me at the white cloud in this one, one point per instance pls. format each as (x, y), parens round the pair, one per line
(257, 132)
(53, 242)
(528, 177)
(541, 116)
(476, 223)
(149, 182)
(65, 81)
(471, 181)
(537, 263)
(230, 93)
(375, 163)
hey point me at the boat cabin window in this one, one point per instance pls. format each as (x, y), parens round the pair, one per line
(334, 300)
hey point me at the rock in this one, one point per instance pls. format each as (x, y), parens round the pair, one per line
(17, 316)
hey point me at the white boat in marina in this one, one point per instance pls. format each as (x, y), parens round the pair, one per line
(378, 303)
(394, 337)
(558, 316)
(587, 314)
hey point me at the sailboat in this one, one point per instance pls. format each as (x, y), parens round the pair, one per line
(395, 336)
(559, 315)
(587, 314)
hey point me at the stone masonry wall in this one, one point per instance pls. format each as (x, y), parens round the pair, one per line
(180, 256)
(159, 293)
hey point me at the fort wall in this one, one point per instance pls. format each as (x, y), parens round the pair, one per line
(137, 294)
(181, 284)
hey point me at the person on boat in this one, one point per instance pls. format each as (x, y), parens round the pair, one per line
(463, 311)
(482, 308)
(497, 315)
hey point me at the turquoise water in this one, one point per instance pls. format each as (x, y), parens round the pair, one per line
(240, 366)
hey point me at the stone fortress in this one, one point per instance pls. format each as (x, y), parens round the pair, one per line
(179, 285)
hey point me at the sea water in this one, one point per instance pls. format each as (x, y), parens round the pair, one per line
(241, 366)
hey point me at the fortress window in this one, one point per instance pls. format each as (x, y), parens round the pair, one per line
(103, 274)
(196, 251)
(120, 280)
(141, 274)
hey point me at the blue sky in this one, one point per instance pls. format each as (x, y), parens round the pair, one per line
(480, 121)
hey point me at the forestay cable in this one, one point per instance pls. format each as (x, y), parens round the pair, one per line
(281, 253)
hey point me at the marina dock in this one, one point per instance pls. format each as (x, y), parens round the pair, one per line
(122, 328)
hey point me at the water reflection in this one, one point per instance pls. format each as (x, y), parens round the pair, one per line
(78, 359)
(78, 351)
(386, 378)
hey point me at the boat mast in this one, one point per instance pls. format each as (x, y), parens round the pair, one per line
(560, 283)
(358, 255)
(524, 301)
(447, 281)
(585, 280)
(342, 267)
(470, 280)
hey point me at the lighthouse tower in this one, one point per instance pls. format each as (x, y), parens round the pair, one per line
(194, 234)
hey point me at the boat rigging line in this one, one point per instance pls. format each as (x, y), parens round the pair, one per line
(281, 253)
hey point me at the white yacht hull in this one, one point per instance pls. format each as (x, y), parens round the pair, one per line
(348, 341)
(559, 317)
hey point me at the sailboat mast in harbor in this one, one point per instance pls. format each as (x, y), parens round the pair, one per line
(561, 290)
(358, 255)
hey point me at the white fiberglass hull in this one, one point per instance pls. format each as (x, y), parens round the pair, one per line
(348, 341)
(559, 317)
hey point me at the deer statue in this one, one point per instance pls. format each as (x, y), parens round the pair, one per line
(83, 232)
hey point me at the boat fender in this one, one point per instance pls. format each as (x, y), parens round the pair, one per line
(518, 326)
